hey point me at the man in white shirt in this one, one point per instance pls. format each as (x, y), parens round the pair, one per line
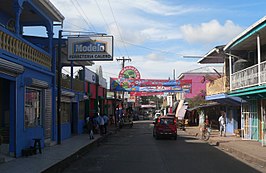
(222, 123)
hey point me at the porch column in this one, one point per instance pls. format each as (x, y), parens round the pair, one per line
(50, 35)
(72, 74)
(230, 71)
(259, 58)
(18, 8)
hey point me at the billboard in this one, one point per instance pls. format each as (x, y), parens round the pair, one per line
(91, 48)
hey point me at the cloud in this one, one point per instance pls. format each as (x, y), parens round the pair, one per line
(211, 31)
(134, 21)
(155, 7)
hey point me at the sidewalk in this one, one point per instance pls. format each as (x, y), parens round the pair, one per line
(251, 151)
(56, 157)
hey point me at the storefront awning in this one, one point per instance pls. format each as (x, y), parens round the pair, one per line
(204, 106)
(225, 99)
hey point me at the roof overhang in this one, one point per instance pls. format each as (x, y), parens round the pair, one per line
(214, 56)
(225, 99)
(204, 106)
(51, 10)
(246, 40)
(253, 92)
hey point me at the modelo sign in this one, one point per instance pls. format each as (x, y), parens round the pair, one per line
(93, 48)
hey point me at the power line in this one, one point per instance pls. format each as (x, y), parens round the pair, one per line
(120, 35)
(107, 26)
(88, 23)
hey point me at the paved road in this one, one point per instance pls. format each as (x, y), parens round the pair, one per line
(134, 150)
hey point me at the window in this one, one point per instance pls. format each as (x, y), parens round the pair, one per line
(166, 121)
(33, 107)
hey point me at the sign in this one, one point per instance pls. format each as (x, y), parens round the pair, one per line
(129, 72)
(90, 76)
(150, 85)
(91, 48)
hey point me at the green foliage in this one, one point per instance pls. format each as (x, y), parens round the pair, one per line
(197, 100)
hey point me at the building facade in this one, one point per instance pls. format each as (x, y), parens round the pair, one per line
(27, 75)
(246, 54)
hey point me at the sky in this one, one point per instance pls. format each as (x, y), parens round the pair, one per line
(157, 34)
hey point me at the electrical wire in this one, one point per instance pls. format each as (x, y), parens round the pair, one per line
(120, 35)
(107, 26)
(87, 22)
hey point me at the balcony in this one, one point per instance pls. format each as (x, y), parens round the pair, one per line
(78, 85)
(218, 86)
(24, 49)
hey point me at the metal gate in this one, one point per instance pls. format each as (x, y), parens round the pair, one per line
(250, 122)
(48, 114)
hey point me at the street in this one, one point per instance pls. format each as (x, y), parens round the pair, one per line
(135, 150)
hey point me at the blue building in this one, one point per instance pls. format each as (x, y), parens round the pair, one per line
(27, 74)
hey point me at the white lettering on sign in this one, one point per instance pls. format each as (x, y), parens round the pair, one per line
(89, 47)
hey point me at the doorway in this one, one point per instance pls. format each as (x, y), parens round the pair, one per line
(6, 109)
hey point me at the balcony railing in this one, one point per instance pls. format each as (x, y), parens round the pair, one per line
(249, 77)
(245, 78)
(78, 85)
(23, 49)
(218, 86)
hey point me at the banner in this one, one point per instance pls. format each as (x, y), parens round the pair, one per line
(150, 85)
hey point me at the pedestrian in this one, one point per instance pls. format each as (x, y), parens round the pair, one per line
(89, 122)
(106, 119)
(101, 123)
(222, 123)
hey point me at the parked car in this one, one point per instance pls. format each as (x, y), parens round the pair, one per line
(165, 126)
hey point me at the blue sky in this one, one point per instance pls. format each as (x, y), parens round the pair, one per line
(157, 34)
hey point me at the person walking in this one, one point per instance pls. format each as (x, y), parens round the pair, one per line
(89, 122)
(101, 123)
(222, 123)
(106, 119)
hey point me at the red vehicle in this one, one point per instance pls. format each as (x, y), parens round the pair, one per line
(165, 126)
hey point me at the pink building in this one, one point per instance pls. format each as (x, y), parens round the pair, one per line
(200, 77)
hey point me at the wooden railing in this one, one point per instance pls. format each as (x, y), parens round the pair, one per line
(23, 49)
(218, 86)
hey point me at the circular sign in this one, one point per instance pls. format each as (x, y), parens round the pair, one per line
(129, 72)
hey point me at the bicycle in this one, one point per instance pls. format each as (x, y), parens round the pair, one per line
(206, 133)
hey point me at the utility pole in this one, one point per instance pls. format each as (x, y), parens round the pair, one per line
(123, 59)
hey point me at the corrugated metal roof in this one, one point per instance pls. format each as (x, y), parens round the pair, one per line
(206, 69)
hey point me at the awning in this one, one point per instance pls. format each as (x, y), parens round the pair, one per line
(10, 68)
(36, 83)
(204, 106)
(225, 99)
